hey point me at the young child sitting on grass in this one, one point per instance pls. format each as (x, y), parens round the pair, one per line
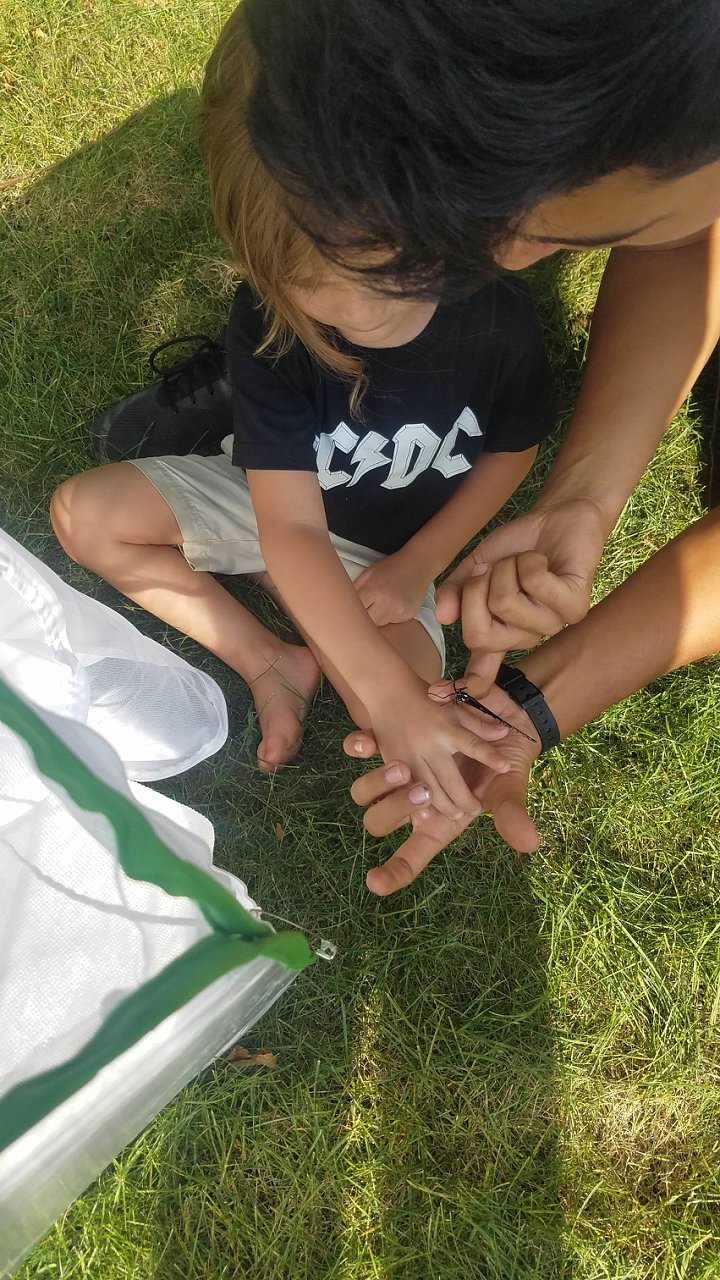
(374, 436)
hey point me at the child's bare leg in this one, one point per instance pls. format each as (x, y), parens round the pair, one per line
(113, 521)
(409, 639)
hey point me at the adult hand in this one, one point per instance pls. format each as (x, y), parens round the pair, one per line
(526, 580)
(391, 799)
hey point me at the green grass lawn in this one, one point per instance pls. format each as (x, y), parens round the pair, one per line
(512, 1069)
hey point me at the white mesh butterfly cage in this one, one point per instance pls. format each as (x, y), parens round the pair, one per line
(128, 961)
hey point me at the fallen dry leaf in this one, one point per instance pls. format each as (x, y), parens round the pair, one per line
(239, 1057)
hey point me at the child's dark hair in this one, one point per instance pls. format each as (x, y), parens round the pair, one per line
(432, 126)
(268, 248)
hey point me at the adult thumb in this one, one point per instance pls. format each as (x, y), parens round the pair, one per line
(509, 539)
(508, 808)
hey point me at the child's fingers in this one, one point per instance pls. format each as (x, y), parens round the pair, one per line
(442, 691)
(380, 613)
(451, 795)
(439, 792)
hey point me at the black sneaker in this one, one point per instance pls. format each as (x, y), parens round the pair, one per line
(188, 411)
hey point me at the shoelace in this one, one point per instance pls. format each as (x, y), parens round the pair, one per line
(200, 370)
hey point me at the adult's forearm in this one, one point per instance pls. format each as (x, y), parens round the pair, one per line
(656, 322)
(665, 615)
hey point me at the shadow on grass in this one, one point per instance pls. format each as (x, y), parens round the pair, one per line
(100, 258)
(415, 1126)
(412, 1126)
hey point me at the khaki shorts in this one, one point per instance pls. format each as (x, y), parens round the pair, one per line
(210, 500)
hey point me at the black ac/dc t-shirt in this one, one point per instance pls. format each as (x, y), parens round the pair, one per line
(475, 381)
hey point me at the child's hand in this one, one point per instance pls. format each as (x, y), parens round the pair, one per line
(393, 589)
(388, 792)
(427, 737)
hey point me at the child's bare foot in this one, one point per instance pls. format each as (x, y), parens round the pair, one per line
(282, 695)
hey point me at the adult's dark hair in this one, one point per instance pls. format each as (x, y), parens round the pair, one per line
(431, 126)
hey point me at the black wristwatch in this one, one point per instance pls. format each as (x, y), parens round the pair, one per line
(532, 700)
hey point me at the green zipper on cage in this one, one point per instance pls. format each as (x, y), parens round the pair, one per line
(237, 938)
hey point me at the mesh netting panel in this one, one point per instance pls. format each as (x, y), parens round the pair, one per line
(74, 656)
(77, 935)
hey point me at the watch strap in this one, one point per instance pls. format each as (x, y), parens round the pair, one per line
(532, 700)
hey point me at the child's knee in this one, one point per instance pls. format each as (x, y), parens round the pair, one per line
(62, 517)
(80, 516)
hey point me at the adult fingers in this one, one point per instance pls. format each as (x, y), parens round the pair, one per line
(519, 601)
(480, 677)
(449, 593)
(394, 810)
(432, 832)
(565, 594)
(468, 743)
(511, 539)
(385, 779)
(509, 602)
(481, 629)
(515, 827)
(481, 671)
(360, 744)
(505, 799)
(448, 601)
(412, 857)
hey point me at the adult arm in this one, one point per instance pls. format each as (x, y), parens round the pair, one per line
(656, 322)
(664, 616)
